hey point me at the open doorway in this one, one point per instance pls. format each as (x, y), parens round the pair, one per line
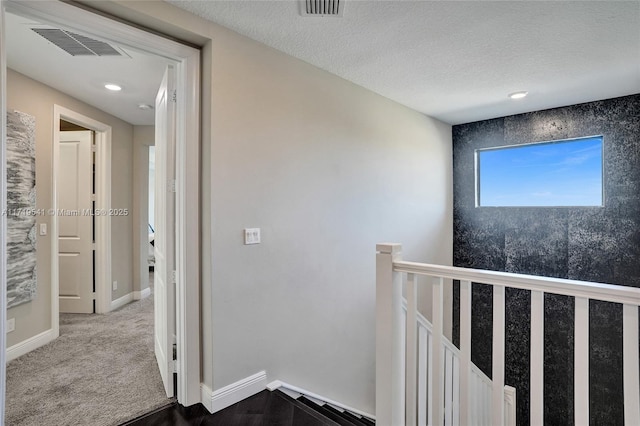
(186, 181)
(143, 209)
(81, 237)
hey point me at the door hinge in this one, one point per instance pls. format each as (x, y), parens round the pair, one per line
(93, 148)
(173, 277)
(174, 96)
(172, 185)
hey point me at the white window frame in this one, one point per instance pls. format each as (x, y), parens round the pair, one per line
(476, 172)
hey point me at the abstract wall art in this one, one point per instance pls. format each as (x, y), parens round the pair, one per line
(21, 208)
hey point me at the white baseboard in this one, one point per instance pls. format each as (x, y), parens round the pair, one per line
(206, 397)
(31, 343)
(121, 301)
(280, 384)
(138, 295)
(235, 392)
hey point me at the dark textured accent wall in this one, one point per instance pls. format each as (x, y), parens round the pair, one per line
(600, 244)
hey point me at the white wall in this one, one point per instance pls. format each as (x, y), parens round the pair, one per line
(326, 169)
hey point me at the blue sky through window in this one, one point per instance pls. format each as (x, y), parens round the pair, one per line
(561, 173)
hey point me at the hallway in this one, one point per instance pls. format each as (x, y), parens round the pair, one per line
(100, 371)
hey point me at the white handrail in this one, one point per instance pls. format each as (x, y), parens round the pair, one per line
(588, 290)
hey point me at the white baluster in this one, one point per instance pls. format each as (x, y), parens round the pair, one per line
(581, 362)
(412, 347)
(448, 388)
(498, 357)
(473, 400)
(537, 358)
(456, 391)
(403, 365)
(465, 353)
(429, 380)
(423, 366)
(485, 407)
(437, 378)
(631, 370)
(510, 406)
(389, 344)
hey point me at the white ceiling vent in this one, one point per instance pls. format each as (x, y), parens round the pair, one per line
(76, 44)
(322, 8)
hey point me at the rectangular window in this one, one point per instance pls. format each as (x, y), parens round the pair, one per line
(564, 173)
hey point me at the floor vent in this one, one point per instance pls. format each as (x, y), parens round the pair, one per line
(322, 8)
(76, 44)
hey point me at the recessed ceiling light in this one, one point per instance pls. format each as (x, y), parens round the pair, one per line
(518, 95)
(145, 106)
(113, 87)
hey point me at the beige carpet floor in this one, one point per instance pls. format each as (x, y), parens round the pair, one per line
(101, 371)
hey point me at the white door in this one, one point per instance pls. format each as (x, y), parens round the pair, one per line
(75, 223)
(164, 287)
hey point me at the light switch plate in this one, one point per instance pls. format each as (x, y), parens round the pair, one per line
(11, 325)
(43, 229)
(251, 236)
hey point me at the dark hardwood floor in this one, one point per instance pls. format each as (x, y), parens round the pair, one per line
(264, 408)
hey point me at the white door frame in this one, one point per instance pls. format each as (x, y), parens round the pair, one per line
(187, 167)
(103, 204)
(3, 217)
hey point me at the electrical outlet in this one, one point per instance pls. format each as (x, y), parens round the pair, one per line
(251, 236)
(11, 325)
(115, 285)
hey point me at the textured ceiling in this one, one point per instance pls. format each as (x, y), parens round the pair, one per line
(457, 60)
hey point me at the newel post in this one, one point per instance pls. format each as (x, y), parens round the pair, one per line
(389, 343)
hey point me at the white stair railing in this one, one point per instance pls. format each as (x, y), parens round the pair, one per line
(480, 409)
(416, 385)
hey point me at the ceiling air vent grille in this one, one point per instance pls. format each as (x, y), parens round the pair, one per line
(76, 44)
(322, 7)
